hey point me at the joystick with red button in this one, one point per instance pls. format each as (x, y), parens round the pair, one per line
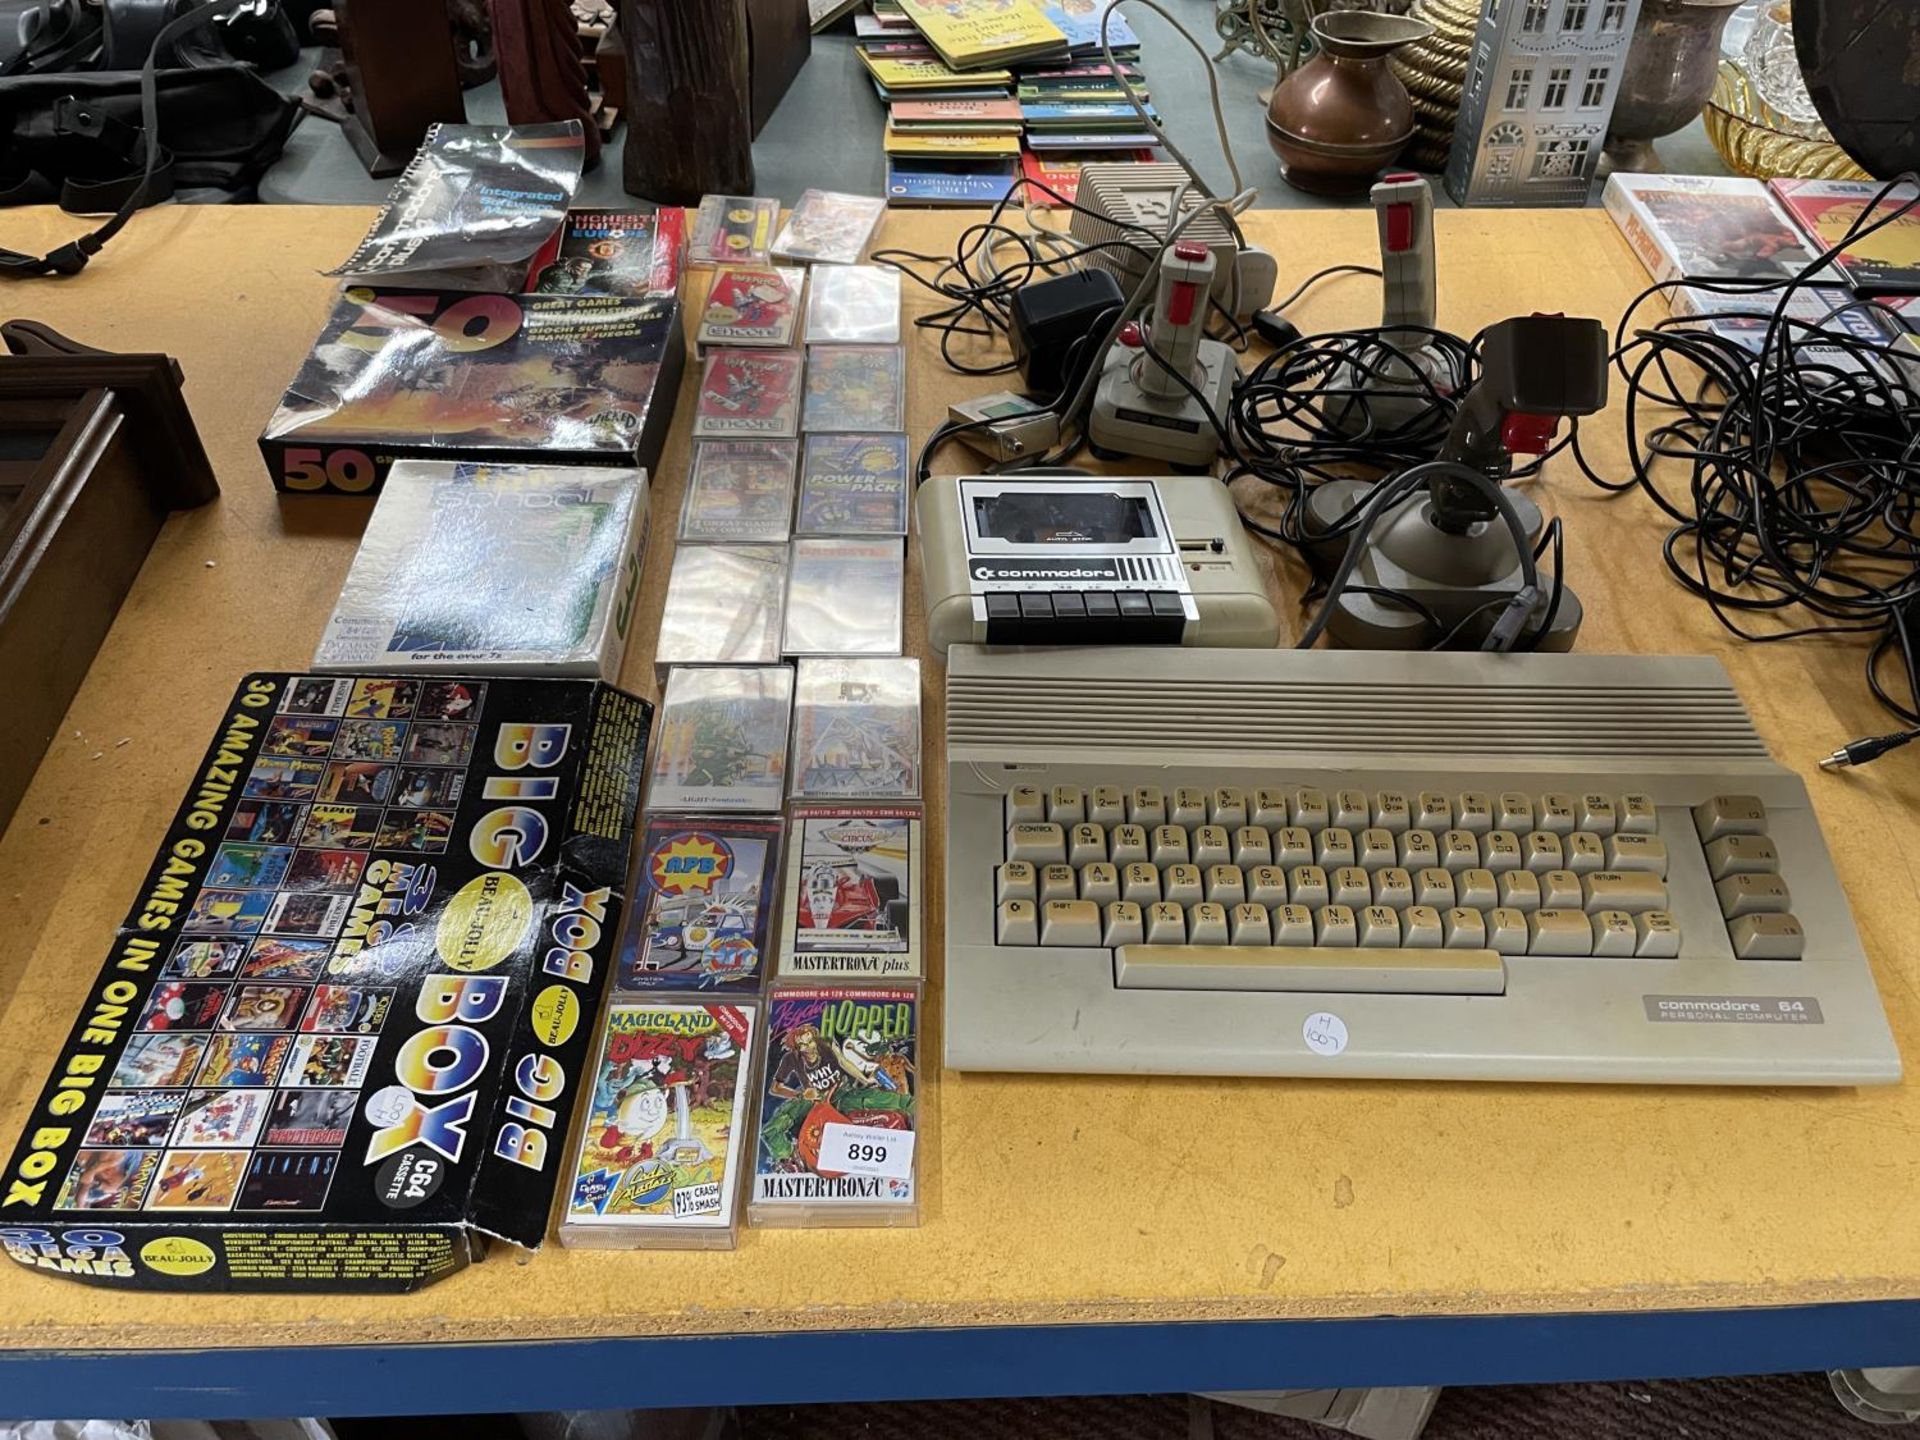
(1147, 403)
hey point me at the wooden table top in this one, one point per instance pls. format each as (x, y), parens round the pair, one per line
(1046, 1200)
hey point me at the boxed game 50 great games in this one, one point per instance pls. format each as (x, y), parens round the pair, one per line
(339, 1038)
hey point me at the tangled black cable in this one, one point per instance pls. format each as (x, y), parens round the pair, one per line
(1790, 468)
(992, 259)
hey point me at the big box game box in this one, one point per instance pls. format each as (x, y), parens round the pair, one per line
(430, 375)
(339, 1038)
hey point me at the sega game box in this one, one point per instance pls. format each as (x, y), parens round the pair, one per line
(338, 1040)
(432, 375)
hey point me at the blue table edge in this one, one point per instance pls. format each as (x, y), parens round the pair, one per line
(906, 1364)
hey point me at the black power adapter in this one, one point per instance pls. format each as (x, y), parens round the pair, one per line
(1054, 319)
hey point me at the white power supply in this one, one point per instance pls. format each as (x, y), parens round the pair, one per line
(1125, 194)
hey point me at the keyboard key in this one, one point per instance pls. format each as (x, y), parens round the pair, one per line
(1432, 811)
(1350, 809)
(1434, 886)
(1267, 885)
(1520, 890)
(1393, 886)
(1058, 882)
(1729, 815)
(1166, 924)
(1556, 813)
(1598, 815)
(1100, 883)
(1753, 895)
(1017, 923)
(1226, 884)
(1333, 847)
(1126, 844)
(1421, 928)
(1418, 849)
(1182, 884)
(1212, 845)
(1140, 883)
(1541, 851)
(1125, 925)
(1310, 808)
(1741, 855)
(1307, 885)
(1459, 850)
(1501, 851)
(1585, 852)
(1633, 891)
(1292, 925)
(1014, 880)
(1473, 812)
(1645, 852)
(1462, 929)
(1559, 932)
(1294, 970)
(1026, 805)
(1169, 845)
(1042, 844)
(1391, 811)
(1206, 924)
(1656, 936)
(1227, 807)
(1506, 931)
(1086, 843)
(1249, 925)
(1350, 885)
(1560, 890)
(1379, 927)
(1334, 928)
(1147, 806)
(1252, 846)
(1066, 805)
(1270, 808)
(1293, 845)
(1767, 937)
(1189, 806)
(1515, 811)
(1613, 934)
(1107, 805)
(1637, 815)
(1476, 889)
(1376, 848)
(1070, 922)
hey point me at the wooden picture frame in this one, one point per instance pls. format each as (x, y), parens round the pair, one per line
(96, 450)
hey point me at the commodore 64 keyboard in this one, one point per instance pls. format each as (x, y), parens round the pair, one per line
(1274, 862)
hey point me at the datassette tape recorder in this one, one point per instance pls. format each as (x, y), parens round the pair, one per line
(1088, 561)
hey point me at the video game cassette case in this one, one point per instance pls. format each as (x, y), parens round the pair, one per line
(845, 597)
(342, 1056)
(722, 742)
(705, 888)
(856, 728)
(497, 569)
(853, 894)
(838, 1107)
(658, 1160)
(724, 606)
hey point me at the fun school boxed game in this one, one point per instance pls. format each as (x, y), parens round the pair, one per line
(340, 1037)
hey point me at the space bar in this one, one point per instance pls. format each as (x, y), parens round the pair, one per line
(1281, 967)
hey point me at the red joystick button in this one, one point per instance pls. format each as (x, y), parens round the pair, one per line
(1130, 334)
(1528, 434)
(1189, 250)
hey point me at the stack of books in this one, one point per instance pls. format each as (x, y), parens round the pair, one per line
(957, 123)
